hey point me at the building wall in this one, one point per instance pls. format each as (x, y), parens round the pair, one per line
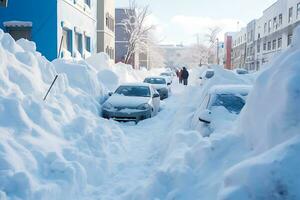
(122, 38)
(77, 17)
(271, 34)
(228, 51)
(239, 49)
(42, 14)
(106, 27)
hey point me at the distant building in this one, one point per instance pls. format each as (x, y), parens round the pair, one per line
(106, 27)
(267, 36)
(51, 23)
(228, 43)
(122, 37)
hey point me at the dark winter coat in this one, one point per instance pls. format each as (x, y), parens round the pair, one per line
(185, 74)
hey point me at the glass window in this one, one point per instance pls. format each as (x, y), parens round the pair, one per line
(88, 43)
(275, 23)
(78, 42)
(265, 28)
(67, 39)
(269, 26)
(290, 14)
(155, 80)
(290, 39)
(258, 47)
(269, 46)
(137, 91)
(280, 19)
(298, 10)
(265, 46)
(233, 103)
(274, 44)
(279, 42)
(88, 2)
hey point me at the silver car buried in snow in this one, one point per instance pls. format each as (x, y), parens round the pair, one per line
(132, 102)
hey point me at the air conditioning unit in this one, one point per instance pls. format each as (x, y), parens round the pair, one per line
(3, 3)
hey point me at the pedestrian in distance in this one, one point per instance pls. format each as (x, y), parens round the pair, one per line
(180, 76)
(185, 76)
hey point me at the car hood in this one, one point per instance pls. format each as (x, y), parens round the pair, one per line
(125, 101)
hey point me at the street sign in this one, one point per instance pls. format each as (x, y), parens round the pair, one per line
(3, 3)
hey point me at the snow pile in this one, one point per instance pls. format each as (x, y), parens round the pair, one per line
(271, 124)
(54, 149)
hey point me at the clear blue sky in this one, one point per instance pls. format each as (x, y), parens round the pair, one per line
(179, 20)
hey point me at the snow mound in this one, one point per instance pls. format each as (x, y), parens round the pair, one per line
(271, 123)
(58, 148)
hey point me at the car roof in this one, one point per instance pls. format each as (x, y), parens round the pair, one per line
(230, 89)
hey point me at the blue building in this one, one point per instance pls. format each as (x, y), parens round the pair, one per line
(71, 24)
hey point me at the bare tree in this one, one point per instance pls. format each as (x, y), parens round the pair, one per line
(213, 41)
(137, 29)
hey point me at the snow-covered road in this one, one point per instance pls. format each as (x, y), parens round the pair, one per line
(147, 143)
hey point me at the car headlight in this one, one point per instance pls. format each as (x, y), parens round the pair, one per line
(108, 106)
(144, 106)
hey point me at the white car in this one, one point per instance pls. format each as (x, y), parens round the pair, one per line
(132, 102)
(220, 106)
(161, 85)
(206, 75)
(169, 76)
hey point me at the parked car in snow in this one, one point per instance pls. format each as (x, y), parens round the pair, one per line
(221, 105)
(207, 74)
(132, 102)
(169, 76)
(161, 85)
(241, 71)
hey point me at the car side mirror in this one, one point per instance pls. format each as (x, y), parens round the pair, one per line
(205, 117)
(110, 94)
(156, 95)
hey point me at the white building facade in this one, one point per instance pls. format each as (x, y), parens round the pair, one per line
(273, 32)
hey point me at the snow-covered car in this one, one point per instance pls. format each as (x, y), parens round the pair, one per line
(169, 76)
(132, 102)
(161, 85)
(207, 74)
(219, 107)
(241, 71)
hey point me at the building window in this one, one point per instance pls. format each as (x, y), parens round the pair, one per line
(67, 39)
(87, 41)
(275, 26)
(265, 28)
(269, 46)
(290, 36)
(110, 22)
(265, 46)
(298, 10)
(274, 45)
(258, 47)
(279, 43)
(18, 32)
(290, 14)
(280, 19)
(78, 42)
(88, 2)
(269, 26)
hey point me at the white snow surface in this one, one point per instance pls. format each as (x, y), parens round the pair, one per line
(61, 149)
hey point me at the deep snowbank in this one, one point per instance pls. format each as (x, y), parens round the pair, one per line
(257, 160)
(271, 124)
(60, 148)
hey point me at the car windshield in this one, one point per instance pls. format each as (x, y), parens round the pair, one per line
(137, 91)
(165, 74)
(155, 80)
(234, 103)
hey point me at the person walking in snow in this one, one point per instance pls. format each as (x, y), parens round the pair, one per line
(185, 76)
(180, 76)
